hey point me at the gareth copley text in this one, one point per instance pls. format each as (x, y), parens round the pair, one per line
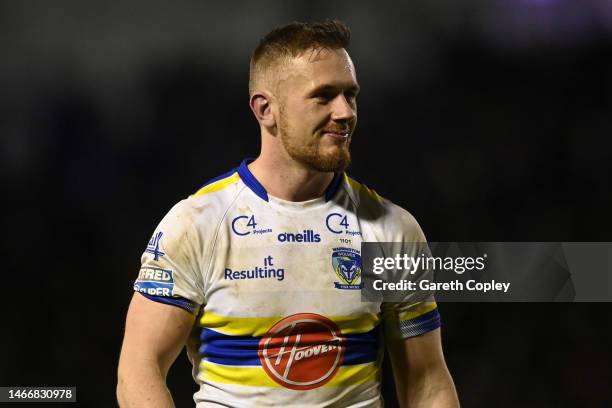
(470, 285)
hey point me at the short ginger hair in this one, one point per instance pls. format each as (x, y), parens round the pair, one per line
(293, 39)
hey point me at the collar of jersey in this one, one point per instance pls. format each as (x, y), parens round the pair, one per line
(251, 182)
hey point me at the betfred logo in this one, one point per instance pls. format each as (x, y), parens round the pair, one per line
(302, 351)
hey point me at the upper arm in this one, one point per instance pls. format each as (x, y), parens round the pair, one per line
(170, 286)
(418, 354)
(154, 333)
(413, 339)
(421, 376)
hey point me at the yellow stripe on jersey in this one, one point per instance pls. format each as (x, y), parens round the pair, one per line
(357, 186)
(356, 324)
(257, 377)
(218, 185)
(258, 326)
(417, 310)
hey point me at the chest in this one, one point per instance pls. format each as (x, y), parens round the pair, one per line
(278, 263)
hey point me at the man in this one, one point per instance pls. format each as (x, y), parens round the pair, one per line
(262, 265)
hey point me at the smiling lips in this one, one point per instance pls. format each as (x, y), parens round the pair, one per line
(340, 134)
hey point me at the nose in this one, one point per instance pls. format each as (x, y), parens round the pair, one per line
(342, 109)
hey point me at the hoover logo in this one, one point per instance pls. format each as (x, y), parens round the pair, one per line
(347, 265)
(302, 351)
(305, 236)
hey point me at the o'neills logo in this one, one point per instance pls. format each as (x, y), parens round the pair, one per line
(302, 351)
(305, 236)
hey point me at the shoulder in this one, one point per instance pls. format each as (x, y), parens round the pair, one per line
(218, 186)
(206, 206)
(214, 196)
(396, 222)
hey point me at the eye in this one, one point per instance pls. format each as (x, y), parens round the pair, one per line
(351, 97)
(324, 97)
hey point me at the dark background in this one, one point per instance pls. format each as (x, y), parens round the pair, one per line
(488, 120)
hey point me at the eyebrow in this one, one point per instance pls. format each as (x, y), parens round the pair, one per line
(328, 87)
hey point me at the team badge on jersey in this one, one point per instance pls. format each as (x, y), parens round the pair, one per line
(302, 351)
(347, 265)
(153, 245)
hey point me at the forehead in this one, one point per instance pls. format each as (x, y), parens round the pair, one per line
(315, 68)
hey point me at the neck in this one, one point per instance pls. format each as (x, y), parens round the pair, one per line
(288, 180)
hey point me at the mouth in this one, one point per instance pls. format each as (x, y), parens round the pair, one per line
(337, 134)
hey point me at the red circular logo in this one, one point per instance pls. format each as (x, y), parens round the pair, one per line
(302, 351)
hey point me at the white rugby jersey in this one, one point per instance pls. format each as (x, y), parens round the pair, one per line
(276, 285)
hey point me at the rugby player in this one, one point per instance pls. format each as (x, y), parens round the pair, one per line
(258, 273)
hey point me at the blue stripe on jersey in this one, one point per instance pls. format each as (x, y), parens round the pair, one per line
(333, 186)
(362, 348)
(225, 349)
(229, 350)
(183, 303)
(249, 179)
(420, 325)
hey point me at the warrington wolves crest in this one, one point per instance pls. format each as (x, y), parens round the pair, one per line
(347, 265)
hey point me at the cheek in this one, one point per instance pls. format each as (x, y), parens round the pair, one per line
(311, 121)
(306, 116)
(318, 116)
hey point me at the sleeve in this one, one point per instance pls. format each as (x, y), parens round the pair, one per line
(417, 313)
(170, 269)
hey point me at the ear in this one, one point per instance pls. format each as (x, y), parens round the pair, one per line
(261, 106)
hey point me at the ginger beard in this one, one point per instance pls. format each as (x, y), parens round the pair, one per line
(313, 153)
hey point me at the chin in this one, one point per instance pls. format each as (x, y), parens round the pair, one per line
(334, 162)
